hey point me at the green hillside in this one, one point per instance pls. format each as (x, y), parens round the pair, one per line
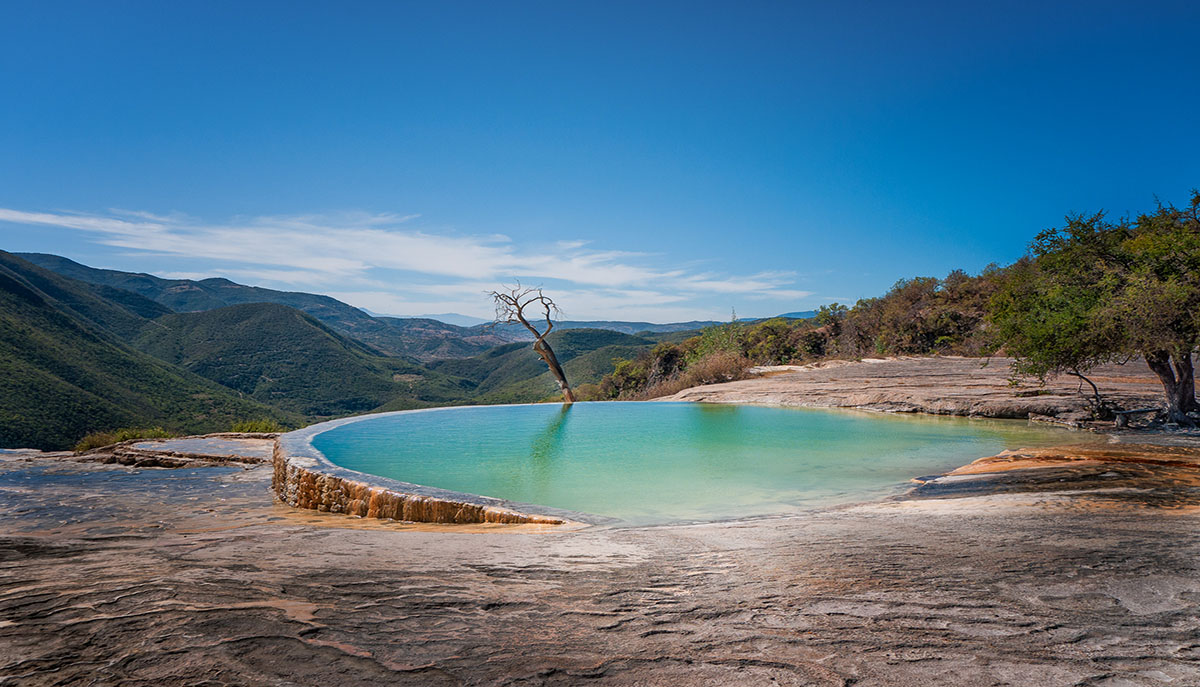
(120, 312)
(514, 373)
(426, 339)
(187, 295)
(63, 375)
(423, 339)
(109, 351)
(587, 368)
(281, 356)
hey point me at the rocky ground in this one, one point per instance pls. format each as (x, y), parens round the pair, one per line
(940, 385)
(1048, 567)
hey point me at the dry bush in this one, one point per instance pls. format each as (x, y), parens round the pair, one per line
(101, 439)
(714, 368)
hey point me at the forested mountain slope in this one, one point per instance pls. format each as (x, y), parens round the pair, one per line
(284, 357)
(423, 339)
(63, 374)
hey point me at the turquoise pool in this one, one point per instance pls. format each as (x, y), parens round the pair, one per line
(649, 463)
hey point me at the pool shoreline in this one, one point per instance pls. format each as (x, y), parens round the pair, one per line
(304, 478)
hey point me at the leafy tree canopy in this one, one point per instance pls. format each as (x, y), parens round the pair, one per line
(1097, 290)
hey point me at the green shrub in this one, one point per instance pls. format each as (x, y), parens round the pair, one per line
(99, 439)
(264, 425)
(771, 343)
(721, 338)
(627, 377)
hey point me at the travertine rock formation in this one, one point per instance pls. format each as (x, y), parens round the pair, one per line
(304, 479)
(937, 385)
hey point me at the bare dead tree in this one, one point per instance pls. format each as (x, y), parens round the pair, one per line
(511, 305)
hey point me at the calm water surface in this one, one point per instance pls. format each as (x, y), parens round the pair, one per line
(647, 463)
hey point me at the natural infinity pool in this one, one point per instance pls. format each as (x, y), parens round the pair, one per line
(647, 463)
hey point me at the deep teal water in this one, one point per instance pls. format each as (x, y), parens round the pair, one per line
(647, 463)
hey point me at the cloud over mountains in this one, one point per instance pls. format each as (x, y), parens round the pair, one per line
(384, 263)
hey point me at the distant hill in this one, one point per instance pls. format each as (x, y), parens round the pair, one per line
(455, 319)
(515, 374)
(115, 348)
(119, 312)
(188, 295)
(423, 339)
(799, 315)
(281, 356)
(427, 340)
(516, 332)
(637, 327)
(66, 374)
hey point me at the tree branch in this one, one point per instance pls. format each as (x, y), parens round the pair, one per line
(510, 308)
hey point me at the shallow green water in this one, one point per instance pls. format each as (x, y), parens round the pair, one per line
(650, 463)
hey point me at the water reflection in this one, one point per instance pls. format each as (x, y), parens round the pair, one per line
(547, 445)
(714, 426)
(659, 462)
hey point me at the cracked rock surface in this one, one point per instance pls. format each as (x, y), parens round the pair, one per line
(938, 385)
(117, 575)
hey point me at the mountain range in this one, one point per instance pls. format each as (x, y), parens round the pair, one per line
(85, 349)
(65, 370)
(424, 338)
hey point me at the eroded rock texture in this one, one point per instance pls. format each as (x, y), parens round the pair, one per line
(938, 385)
(211, 449)
(111, 575)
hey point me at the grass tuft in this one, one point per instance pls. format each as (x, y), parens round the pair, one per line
(100, 439)
(264, 425)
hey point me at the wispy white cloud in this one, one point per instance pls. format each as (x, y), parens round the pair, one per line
(195, 276)
(264, 274)
(384, 263)
(771, 284)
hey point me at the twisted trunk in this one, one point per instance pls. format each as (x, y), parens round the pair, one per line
(1177, 375)
(510, 307)
(547, 355)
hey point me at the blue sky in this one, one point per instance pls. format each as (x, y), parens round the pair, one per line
(659, 161)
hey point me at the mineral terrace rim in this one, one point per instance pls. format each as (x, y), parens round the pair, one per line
(304, 478)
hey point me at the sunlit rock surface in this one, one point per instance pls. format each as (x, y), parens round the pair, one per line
(118, 575)
(188, 451)
(938, 385)
(226, 447)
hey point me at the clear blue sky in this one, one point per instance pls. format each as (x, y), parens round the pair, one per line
(641, 160)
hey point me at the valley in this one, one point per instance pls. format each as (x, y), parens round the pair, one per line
(91, 349)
